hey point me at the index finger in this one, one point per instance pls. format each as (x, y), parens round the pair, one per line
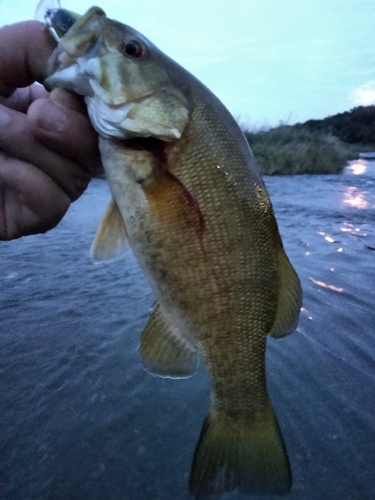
(24, 50)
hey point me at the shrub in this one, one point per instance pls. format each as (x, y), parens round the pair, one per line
(294, 150)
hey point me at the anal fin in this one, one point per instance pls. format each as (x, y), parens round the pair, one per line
(110, 239)
(165, 352)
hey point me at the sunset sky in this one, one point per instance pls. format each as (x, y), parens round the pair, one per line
(268, 61)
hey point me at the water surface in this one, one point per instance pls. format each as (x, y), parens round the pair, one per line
(81, 419)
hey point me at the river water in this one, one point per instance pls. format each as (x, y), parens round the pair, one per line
(81, 419)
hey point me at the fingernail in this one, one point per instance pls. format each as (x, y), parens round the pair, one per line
(52, 117)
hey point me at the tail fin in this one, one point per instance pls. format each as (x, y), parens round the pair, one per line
(249, 458)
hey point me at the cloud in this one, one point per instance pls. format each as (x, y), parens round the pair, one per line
(365, 94)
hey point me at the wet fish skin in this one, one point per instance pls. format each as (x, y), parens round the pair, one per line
(189, 199)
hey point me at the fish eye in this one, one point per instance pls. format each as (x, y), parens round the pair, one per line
(132, 48)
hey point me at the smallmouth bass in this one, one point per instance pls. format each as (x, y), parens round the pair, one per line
(189, 200)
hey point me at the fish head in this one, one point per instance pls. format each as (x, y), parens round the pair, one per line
(122, 76)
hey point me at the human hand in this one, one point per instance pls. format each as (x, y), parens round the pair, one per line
(48, 148)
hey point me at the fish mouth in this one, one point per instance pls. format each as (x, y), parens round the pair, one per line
(148, 144)
(76, 59)
(70, 73)
(75, 65)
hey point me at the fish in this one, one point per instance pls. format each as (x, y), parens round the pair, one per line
(188, 199)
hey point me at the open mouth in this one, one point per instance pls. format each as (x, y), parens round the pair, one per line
(149, 144)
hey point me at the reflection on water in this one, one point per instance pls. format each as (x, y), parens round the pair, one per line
(326, 237)
(358, 167)
(355, 198)
(353, 230)
(360, 195)
(325, 285)
(81, 419)
(349, 228)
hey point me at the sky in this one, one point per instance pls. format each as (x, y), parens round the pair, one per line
(269, 61)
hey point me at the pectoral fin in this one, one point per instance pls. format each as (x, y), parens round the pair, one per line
(110, 239)
(165, 352)
(290, 299)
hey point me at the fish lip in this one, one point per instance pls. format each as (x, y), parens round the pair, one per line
(62, 65)
(54, 67)
(59, 77)
(88, 27)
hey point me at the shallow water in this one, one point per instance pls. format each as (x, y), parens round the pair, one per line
(81, 419)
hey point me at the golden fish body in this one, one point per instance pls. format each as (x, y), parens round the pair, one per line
(189, 199)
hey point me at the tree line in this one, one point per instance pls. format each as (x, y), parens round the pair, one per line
(356, 126)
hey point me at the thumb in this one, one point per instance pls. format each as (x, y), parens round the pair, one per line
(24, 50)
(60, 122)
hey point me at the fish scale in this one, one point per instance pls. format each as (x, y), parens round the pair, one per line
(189, 198)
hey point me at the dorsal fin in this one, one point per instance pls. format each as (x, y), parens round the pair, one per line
(290, 298)
(165, 352)
(110, 239)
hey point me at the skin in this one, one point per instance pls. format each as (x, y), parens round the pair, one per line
(48, 148)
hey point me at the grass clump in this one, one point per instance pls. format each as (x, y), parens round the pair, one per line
(289, 150)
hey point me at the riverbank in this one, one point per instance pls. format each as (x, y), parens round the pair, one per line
(316, 146)
(288, 150)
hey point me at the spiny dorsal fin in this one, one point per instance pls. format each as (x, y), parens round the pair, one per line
(165, 352)
(110, 239)
(290, 299)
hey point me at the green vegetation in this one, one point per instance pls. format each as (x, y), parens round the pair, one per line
(354, 127)
(287, 150)
(316, 146)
